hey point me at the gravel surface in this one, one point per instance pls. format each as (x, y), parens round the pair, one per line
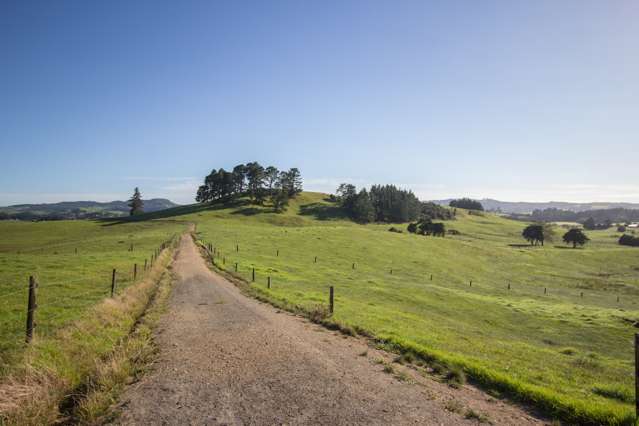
(226, 359)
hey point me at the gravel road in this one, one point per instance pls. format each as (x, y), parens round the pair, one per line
(226, 359)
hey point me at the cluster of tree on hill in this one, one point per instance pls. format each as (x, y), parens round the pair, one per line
(597, 219)
(386, 203)
(427, 227)
(254, 181)
(538, 233)
(466, 203)
(629, 240)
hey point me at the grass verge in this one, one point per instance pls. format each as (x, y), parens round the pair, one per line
(75, 374)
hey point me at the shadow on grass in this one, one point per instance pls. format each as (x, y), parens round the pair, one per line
(177, 211)
(522, 246)
(323, 211)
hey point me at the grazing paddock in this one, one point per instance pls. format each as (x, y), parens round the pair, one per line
(72, 262)
(552, 324)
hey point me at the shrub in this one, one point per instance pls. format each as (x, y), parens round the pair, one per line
(629, 240)
(455, 377)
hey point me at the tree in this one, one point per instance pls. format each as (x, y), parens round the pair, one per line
(534, 234)
(466, 203)
(271, 179)
(363, 211)
(239, 178)
(629, 240)
(255, 176)
(136, 203)
(291, 181)
(575, 237)
(412, 227)
(279, 198)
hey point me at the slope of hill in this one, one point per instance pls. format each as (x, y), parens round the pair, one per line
(551, 325)
(515, 207)
(78, 209)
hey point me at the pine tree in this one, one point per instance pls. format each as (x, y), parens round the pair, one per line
(136, 203)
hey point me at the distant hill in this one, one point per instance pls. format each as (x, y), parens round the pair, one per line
(79, 209)
(511, 207)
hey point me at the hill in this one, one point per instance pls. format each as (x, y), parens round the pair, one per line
(78, 209)
(515, 207)
(550, 325)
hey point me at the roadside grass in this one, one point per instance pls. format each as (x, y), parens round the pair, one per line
(74, 373)
(549, 349)
(70, 282)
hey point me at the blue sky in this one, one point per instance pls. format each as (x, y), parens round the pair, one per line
(516, 100)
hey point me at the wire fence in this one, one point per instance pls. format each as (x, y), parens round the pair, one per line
(50, 302)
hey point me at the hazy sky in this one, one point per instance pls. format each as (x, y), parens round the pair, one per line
(516, 100)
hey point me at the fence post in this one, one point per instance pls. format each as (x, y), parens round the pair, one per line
(237, 247)
(315, 261)
(31, 307)
(268, 283)
(391, 271)
(508, 286)
(253, 274)
(113, 282)
(145, 264)
(135, 271)
(353, 266)
(235, 266)
(331, 304)
(470, 284)
(224, 260)
(277, 253)
(545, 290)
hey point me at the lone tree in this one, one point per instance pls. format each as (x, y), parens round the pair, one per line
(136, 203)
(575, 237)
(534, 234)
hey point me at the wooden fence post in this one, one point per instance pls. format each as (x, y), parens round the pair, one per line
(31, 307)
(545, 290)
(253, 274)
(268, 283)
(113, 283)
(145, 264)
(391, 271)
(277, 253)
(224, 260)
(470, 284)
(353, 266)
(237, 247)
(315, 261)
(235, 266)
(135, 271)
(431, 277)
(331, 300)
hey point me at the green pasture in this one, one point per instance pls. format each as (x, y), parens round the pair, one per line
(558, 336)
(72, 262)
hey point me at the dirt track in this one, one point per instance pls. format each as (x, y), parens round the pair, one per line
(228, 359)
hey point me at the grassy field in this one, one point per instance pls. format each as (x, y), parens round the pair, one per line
(540, 340)
(72, 262)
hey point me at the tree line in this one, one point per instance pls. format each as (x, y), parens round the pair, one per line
(596, 219)
(386, 203)
(252, 180)
(466, 203)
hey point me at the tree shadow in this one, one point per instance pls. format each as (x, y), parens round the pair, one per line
(176, 211)
(323, 211)
(522, 245)
(568, 248)
(252, 211)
